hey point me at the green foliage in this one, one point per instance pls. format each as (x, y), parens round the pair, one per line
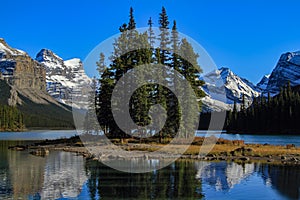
(126, 57)
(11, 119)
(90, 121)
(46, 116)
(32, 115)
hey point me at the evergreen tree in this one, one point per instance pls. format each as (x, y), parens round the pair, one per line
(131, 24)
(11, 119)
(91, 122)
(164, 35)
(101, 64)
(151, 34)
(126, 56)
(278, 114)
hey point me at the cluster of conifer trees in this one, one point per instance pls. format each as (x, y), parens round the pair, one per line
(268, 115)
(126, 57)
(11, 119)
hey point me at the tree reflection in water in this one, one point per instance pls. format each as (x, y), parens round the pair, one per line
(67, 176)
(176, 181)
(185, 179)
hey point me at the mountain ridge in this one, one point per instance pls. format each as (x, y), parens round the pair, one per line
(286, 70)
(23, 85)
(66, 79)
(223, 85)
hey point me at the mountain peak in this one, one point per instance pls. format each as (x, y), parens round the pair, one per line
(263, 83)
(286, 70)
(47, 55)
(291, 57)
(223, 83)
(7, 51)
(65, 78)
(225, 72)
(224, 69)
(49, 59)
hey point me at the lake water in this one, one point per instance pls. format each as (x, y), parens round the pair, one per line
(256, 139)
(37, 135)
(259, 139)
(62, 175)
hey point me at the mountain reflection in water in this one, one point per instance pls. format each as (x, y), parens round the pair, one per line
(197, 180)
(25, 176)
(63, 175)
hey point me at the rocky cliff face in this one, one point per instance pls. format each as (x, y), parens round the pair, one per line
(20, 70)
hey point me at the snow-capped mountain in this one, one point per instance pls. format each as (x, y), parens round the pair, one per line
(66, 80)
(223, 88)
(263, 83)
(286, 70)
(6, 50)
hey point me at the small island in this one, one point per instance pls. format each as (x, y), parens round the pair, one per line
(223, 150)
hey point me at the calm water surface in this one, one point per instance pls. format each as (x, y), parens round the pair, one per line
(257, 139)
(62, 175)
(37, 135)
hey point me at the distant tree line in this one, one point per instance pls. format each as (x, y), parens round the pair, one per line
(29, 114)
(123, 59)
(46, 116)
(279, 114)
(11, 119)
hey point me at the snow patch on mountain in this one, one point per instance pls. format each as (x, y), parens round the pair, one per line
(66, 80)
(5, 49)
(75, 62)
(286, 70)
(225, 86)
(210, 105)
(50, 60)
(263, 83)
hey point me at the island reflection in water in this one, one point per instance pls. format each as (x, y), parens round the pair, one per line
(63, 175)
(25, 176)
(197, 180)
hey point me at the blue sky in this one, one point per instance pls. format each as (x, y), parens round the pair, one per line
(247, 36)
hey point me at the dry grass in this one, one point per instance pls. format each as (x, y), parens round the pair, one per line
(257, 150)
(222, 147)
(219, 149)
(266, 150)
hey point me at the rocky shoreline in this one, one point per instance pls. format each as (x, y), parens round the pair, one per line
(240, 153)
(289, 159)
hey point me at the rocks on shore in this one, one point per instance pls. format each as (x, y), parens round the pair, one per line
(18, 148)
(241, 151)
(40, 152)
